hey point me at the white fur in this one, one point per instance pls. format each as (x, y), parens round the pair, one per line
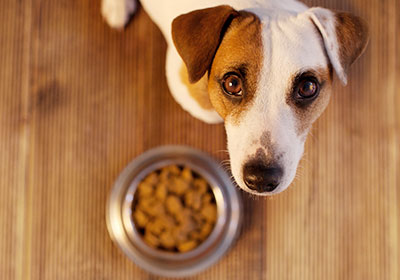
(180, 93)
(325, 21)
(117, 12)
(270, 111)
(284, 24)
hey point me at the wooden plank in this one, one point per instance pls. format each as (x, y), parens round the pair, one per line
(14, 134)
(79, 101)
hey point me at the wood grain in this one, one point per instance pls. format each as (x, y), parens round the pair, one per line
(78, 101)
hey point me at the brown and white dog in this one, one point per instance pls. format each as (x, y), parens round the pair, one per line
(264, 67)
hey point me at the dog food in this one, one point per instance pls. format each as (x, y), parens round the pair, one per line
(174, 209)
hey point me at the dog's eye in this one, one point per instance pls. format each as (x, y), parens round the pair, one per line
(232, 85)
(307, 88)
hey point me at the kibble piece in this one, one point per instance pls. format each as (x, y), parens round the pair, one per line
(187, 246)
(140, 218)
(156, 209)
(145, 204)
(205, 230)
(168, 172)
(198, 217)
(165, 175)
(179, 235)
(187, 174)
(186, 221)
(145, 189)
(193, 199)
(179, 186)
(173, 204)
(206, 198)
(174, 169)
(167, 221)
(161, 192)
(151, 239)
(155, 227)
(209, 212)
(152, 178)
(201, 185)
(195, 235)
(167, 240)
(180, 216)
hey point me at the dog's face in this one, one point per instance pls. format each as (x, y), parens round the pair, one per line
(270, 79)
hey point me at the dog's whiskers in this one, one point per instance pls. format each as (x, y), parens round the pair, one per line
(222, 151)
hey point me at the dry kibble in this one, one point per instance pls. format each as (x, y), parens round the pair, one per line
(205, 230)
(186, 221)
(195, 235)
(173, 204)
(182, 215)
(151, 239)
(176, 209)
(155, 227)
(145, 204)
(167, 240)
(145, 189)
(201, 185)
(161, 192)
(179, 186)
(156, 209)
(187, 246)
(206, 198)
(165, 175)
(198, 217)
(193, 199)
(174, 169)
(140, 218)
(167, 221)
(209, 212)
(187, 174)
(151, 179)
(179, 235)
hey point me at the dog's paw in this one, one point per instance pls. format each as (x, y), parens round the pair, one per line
(117, 12)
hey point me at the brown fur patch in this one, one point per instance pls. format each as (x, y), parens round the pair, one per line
(197, 90)
(352, 36)
(197, 35)
(265, 140)
(307, 113)
(241, 52)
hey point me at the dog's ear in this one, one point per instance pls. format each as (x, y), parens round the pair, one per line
(345, 37)
(197, 35)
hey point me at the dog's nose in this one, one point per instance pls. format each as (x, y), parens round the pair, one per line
(261, 177)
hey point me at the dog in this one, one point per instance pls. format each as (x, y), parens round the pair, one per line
(263, 67)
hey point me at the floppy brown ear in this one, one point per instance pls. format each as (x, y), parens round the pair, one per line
(197, 35)
(345, 37)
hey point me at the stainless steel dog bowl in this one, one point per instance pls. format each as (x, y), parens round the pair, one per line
(122, 228)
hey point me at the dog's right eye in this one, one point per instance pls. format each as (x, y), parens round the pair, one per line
(307, 89)
(232, 85)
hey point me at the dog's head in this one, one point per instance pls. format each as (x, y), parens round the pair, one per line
(270, 79)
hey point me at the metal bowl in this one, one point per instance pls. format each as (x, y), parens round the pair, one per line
(124, 233)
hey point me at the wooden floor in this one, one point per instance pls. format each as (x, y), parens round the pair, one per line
(78, 101)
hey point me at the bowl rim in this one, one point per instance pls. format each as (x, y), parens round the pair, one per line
(155, 262)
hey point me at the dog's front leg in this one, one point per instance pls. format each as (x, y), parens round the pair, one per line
(117, 12)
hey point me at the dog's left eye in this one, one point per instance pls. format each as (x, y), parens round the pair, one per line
(307, 88)
(232, 85)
